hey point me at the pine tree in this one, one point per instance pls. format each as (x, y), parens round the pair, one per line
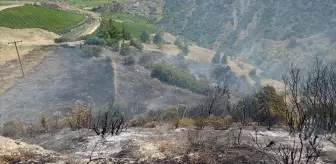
(144, 37)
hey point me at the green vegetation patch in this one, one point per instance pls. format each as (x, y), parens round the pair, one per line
(176, 76)
(132, 24)
(89, 3)
(31, 16)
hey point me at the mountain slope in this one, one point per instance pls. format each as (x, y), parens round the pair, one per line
(263, 33)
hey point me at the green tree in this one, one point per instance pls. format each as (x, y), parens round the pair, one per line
(44, 122)
(176, 76)
(181, 43)
(272, 106)
(125, 35)
(158, 38)
(178, 42)
(266, 107)
(144, 37)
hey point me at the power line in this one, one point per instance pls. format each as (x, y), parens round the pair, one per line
(17, 51)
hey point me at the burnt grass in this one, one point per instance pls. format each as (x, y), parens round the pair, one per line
(63, 76)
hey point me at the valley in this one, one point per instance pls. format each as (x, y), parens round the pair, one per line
(168, 81)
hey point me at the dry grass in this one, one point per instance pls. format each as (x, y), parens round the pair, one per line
(11, 150)
(219, 123)
(169, 38)
(185, 122)
(11, 71)
(200, 54)
(166, 48)
(30, 38)
(243, 69)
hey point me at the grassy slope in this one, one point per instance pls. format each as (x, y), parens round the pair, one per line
(133, 24)
(30, 16)
(85, 3)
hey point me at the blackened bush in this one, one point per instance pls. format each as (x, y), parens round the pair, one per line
(220, 71)
(253, 72)
(145, 60)
(129, 60)
(92, 51)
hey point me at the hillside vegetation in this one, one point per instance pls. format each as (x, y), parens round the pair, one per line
(134, 25)
(30, 16)
(176, 76)
(263, 33)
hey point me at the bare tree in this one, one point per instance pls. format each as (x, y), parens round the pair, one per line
(217, 101)
(312, 106)
(112, 125)
(311, 110)
(111, 122)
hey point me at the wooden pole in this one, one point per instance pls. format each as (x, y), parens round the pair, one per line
(17, 51)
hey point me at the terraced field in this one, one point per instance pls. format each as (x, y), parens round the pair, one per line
(30, 16)
(133, 24)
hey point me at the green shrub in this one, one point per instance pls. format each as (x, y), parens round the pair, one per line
(94, 41)
(43, 121)
(137, 45)
(113, 43)
(62, 39)
(175, 76)
(158, 38)
(181, 44)
(144, 37)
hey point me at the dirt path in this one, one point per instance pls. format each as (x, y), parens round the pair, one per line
(92, 27)
(88, 28)
(10, 6)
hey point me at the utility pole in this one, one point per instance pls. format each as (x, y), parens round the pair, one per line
(17, 51)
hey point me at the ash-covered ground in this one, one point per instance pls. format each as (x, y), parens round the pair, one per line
(62, 76)
(165, 144)
(68, 75)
